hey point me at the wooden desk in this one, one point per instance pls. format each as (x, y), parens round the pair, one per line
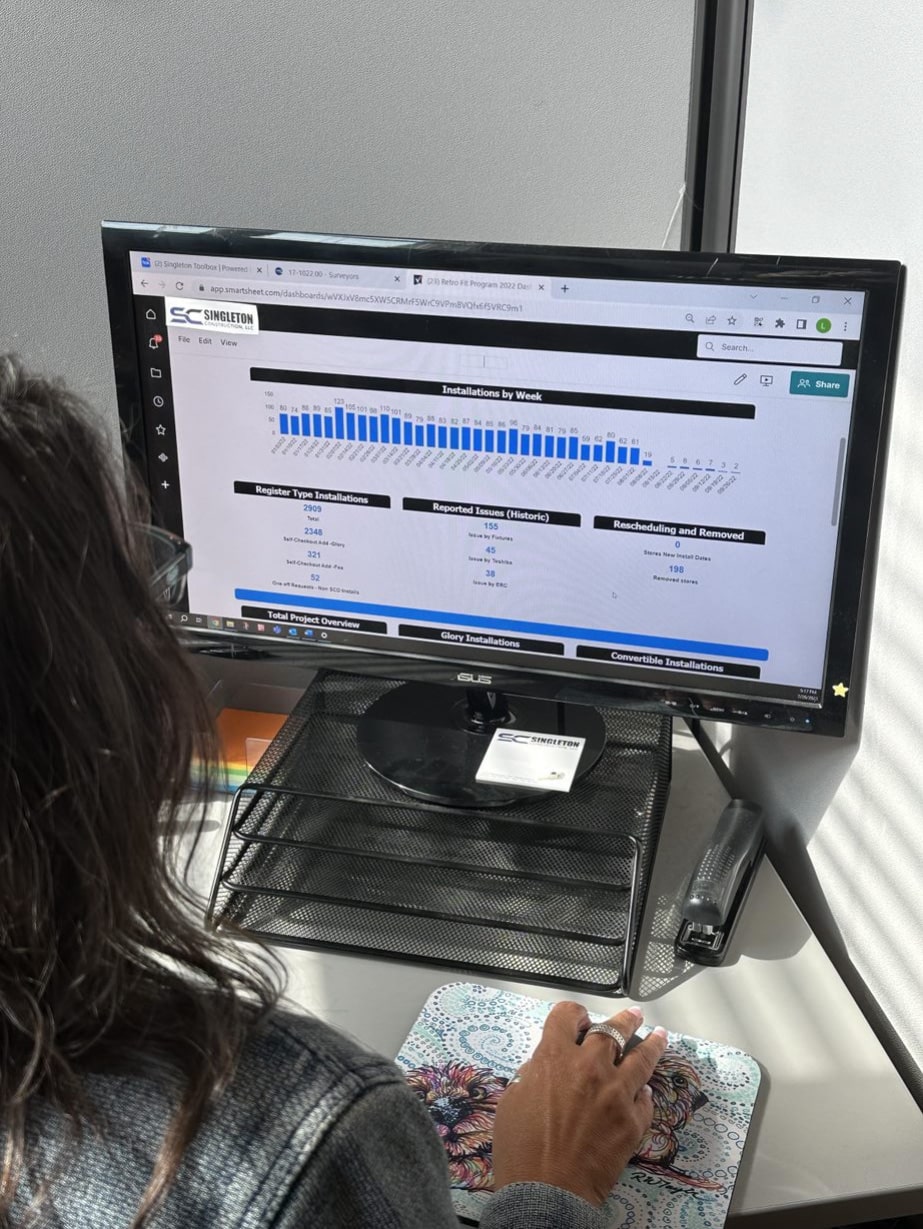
(836, 1138)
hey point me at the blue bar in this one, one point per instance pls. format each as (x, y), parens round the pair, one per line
(338, 422)
(549, 445)
(419, 435)
(373, 430)
(453, 438)
(623, 455)
(328, 427)
(350, 426)
(639, 640)
(488, 441)
(306, 424)
(636, 456)
(561, 446)
(430, 435)
(294, 425)
(610, 450)
(648, 462)
(584, 452)
(318, 426)
(477, 442)
(514, 441)
(536, 445)
(395, 430)
(525, 444)
(443, 433)
(408, 432)
(283, 424)
(386, 429)
(572, 446)
(501, 441)
(466, 439)
(363, 428)
(597, 452)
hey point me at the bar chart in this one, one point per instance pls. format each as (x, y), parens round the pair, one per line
(395, 430)
(511, 441)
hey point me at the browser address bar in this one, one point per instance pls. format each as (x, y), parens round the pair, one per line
(357, 298)
(426, 297)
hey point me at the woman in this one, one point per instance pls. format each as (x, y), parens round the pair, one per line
(147, 1075)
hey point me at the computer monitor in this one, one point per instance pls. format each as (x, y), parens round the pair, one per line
(589, 477)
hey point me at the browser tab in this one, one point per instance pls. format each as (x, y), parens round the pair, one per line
(309, 273)
(165, 264)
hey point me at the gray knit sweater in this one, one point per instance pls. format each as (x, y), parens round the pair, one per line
(314, 1131)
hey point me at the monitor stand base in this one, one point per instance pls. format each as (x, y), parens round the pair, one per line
(429, 740)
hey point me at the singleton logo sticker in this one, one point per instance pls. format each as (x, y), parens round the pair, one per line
(215, 317)
(540, 740)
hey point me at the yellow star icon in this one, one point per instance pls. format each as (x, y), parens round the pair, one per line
(840, 690)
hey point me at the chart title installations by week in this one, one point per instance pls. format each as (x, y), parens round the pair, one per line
(580, 479)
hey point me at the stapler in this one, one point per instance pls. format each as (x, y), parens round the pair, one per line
(721, 883)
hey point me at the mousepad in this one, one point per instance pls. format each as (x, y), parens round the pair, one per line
(469, 1040)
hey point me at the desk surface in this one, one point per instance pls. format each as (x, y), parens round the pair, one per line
(836, 1136)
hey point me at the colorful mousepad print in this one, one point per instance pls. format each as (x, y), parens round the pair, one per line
(469, 1041)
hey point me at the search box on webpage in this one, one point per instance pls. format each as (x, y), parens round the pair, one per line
(770, 349)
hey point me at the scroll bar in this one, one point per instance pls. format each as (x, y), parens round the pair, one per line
(838, 484)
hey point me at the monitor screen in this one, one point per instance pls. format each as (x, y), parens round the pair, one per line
(642, 478)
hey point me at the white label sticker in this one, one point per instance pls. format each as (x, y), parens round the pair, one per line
(532, 760)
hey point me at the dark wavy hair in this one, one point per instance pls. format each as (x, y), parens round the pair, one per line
(103, 965)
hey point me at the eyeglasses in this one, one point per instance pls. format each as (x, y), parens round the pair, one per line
(170, 557)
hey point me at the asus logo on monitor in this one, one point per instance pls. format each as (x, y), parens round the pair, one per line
(482, 680)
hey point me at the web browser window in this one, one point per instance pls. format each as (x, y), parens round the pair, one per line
(634, 474)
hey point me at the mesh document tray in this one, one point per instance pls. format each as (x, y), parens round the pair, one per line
(322, 852)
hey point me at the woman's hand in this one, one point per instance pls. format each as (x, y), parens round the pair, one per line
(572, 1119)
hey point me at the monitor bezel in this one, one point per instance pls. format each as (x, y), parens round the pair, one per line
(881, 281)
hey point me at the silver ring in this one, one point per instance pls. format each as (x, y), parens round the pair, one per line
(612, 1033)
(516, 1079)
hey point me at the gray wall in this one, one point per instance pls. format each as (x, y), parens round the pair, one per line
(832, 166)
(539, 122)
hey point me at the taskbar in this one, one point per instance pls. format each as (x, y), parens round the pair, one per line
(593, 663)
